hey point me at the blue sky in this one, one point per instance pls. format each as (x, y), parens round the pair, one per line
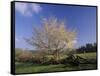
(80, 18)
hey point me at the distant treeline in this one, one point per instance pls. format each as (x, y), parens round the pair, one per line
(89, 47)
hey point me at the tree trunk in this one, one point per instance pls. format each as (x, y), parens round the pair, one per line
(57, 56)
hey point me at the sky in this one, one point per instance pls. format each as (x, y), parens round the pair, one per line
(80, 18)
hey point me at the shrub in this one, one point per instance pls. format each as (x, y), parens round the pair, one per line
(25, 57)
(71, 59)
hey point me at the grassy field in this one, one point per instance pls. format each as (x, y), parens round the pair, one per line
(88, 55)
(40, 68)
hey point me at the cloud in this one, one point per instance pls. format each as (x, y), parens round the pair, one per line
(17, 40)
(27, 9)
(75, 41)
(36, 8)
(23, 8)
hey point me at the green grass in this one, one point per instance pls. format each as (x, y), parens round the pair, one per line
(88, 55)
(40, 68)
(36, 68)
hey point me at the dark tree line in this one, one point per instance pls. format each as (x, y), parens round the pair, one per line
(89, 47)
